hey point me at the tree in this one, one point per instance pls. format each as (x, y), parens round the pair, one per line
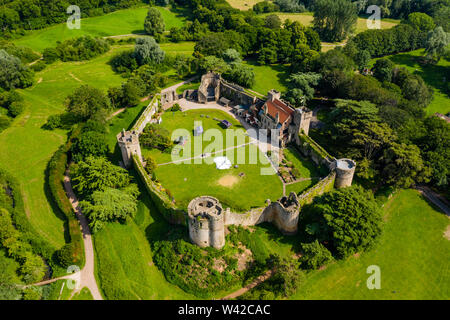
(382, 70)
(403, 165)
(421, 21)
(94, 174)
(435, 147)
(86, 102)
(110, 205)
(147, 51)
(89, 143)
(315, 255)
(150, 164)
(286, 278)
(437, 41)
(272, 21)
(12, 73)
(348, 219)
(264, 7)
(334, 20)
(232, 55)
(154, 22)
(214, 64)
(155, 136)
(290, 5)
(442, 18)
(302, 87)
(362, 59)
(241, 74)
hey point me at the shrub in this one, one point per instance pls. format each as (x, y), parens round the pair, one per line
(38, 66)
(53, 122)
(315, 255)
(15, 109)
(50, 55)
(5, 122)
(67, 255)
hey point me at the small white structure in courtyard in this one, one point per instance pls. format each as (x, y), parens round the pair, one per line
(222, 163)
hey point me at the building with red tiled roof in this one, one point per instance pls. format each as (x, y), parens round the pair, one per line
(276, 114)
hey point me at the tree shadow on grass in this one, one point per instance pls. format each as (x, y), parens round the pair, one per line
(275, 235)
(159, 229)
(55, 209)
(432, 74)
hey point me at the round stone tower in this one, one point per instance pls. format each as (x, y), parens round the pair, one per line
(129, 145)
(345, 169)
(206, 222)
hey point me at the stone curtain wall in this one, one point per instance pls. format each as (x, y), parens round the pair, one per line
(324, 185)
(236, 94)
(147, 115)
(311, 149)
(168, 209)
(285, 220)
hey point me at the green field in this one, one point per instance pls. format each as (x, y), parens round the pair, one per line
(413, 256)
(26, 147)
(188, 180)
(128, 21)
(269, 77)
(432, 74)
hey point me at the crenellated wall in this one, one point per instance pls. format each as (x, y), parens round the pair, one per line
(205, 217)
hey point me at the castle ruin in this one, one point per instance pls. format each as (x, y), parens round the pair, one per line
(206, 219)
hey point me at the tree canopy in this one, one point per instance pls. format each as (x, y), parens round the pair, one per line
(154, 23)
(334, 20)
(348, 220)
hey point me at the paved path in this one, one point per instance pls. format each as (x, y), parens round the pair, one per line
(176, 86)
(435, 198)
(87, 278)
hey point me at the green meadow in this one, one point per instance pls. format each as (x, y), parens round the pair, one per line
(412, 253)
(122, 22)
(269, 77)
(27, 148)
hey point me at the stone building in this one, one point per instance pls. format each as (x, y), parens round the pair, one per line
(206, 222)
(345, 169)
(129, 144)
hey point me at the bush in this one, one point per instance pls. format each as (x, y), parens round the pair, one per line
(315, 255)
(53, 122)
(50, 55)
(67, 255)
(81, 48)
(38, 66)
(15, 109)
(5, 122)
(174, 108)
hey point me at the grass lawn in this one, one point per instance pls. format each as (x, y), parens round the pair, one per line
(188, 180)
(432, 74)
(413, 256)
(128, 21)
(299, 187)
(173, 121)
(269, 77)
(186, 47)
(26, 148)
(84, 294)
(188, 86)
(307, 168)
(124, 264)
